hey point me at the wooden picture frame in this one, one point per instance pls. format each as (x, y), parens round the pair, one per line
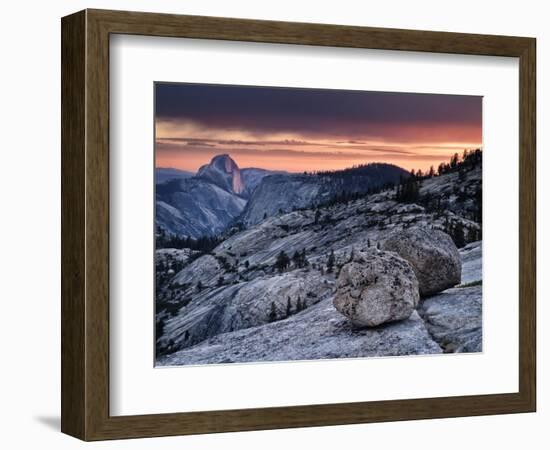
(85, 224)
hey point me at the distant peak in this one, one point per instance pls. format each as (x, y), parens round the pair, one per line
(223, 158)
(224, 172)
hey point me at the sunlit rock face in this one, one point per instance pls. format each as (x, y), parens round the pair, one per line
(202, 205)
(223, 172)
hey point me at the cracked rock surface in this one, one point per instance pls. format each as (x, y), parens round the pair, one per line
(375, 288)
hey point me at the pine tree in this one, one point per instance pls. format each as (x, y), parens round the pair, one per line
(472, 235)
(297, 259)
(458, 235)
(273, 313)
(305, 262)
(282, 262)
(288, 307)
(159, 329)
(352, 254)
(454, 161)
(317, 216)
(330, 262)
(478, 202)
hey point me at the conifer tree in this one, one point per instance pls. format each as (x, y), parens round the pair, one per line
(282, 261)
(330, 262)
(296, 259)
(273, 312)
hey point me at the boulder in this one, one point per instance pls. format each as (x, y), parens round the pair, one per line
(375, 288)
(432, 254)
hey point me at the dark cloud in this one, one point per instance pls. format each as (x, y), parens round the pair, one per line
(200, 144)
(358, 147)
(213, 142)
(380, 152)
(312, 112)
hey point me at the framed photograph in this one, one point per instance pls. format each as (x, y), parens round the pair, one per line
(272, 225)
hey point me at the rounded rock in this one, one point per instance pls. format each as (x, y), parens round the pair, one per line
(432, 254)
(375, 288)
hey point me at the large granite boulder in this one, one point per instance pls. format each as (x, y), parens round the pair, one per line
(432, 254)
(375, 288)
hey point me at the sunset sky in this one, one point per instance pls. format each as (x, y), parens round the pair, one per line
(310, 129)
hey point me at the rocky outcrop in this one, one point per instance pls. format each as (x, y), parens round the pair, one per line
(432, 254)
(375, 288)
(234, 306)
(471, 256)
(454, 319)
(205, 204)
(252, 177)
(282, 193)
(194, 207)
(287, 192)
(223, 172)
(319, 332)
(459, 193)
(172, 259)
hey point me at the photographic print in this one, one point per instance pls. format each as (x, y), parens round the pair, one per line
(306, 224)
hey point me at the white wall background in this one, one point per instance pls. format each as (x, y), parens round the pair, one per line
(30, 225)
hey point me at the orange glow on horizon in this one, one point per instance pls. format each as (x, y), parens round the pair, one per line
(186, 145)
(422, 159)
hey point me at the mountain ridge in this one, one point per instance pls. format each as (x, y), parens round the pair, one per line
(283, 193)
(163, 174)
(224, 194)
